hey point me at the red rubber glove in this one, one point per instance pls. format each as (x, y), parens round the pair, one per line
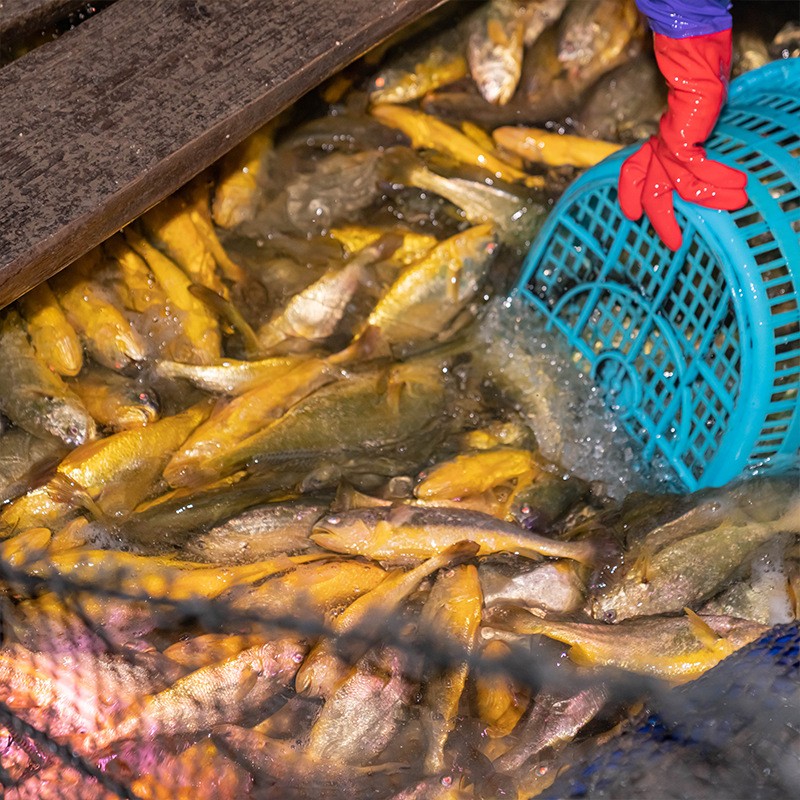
(697, 70)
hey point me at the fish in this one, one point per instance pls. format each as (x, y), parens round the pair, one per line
(428, 294)
(425, 131)
(499, 702)
(596, 35)
(307, 592)
(33, 397)
(176, 777)
(236, 191)
(198, 324)
(451, 615)
(362, 420)
(504, 207)
(170, 227)
(93, 312)
(786, 43)
(405, 534)
(554, 720)
(313, 314)
(363, 714)
(750, 51)
(261, 532)
(740, 711)
(227, 311)
(473, 473)
(24, 547)
(296, 771)
(209, 648)
(170, 518)
(230, 376)
(326, 664)
(338, 187)
(676, 649)
(72, 693)
(553, 587)
(23, 459)
(55, 341)
(495, 50)
(142, 292)
(421, 69)
(540, 146)
(204, 453)
(115, 401)
(154, 576)
(664, 576)
(413, 246)
(119, 471)
(225, 692)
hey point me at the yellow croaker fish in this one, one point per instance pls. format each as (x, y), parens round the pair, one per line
(71, 691)
(677, 649)
(36, 509)
(209, 648)
(203, 452)
(197, 195)
(108, 336)
(473, 473)
(420, 71)
(452, 615)
(156, 576)
(543, 147)
(406, 534)
(177, 777)
(309, 591)
(115, 401)
(427, 295)
(596, 35)
(314, 313)
(24, 547)
(221, 693)
(324, 667)
(170, 227)
(426, 131)
(505, 208)
(363, 714)
(498, 701)
(330, 426)
(495, 50)
(141, 290)
(414, 246)
(118, 472)
(237, 192)
(198, 323)
(229, 375)
(33, 397)
(54, 339)
(271, 760)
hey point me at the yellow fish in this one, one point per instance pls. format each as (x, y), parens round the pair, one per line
(54, 339)
(543, 147)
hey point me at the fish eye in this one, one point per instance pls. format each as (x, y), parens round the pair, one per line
(333, 520)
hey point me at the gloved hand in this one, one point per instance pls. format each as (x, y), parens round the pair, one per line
(697, 70)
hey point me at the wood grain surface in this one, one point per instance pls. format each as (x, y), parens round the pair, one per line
(101, 124)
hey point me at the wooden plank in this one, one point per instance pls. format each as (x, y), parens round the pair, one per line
(110, 118)
(24, 17)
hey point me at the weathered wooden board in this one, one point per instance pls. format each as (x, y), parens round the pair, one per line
(23, 17)
(104, 122)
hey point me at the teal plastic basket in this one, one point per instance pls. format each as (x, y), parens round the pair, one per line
(697, 351)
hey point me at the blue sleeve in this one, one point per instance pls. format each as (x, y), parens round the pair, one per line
(680, 19)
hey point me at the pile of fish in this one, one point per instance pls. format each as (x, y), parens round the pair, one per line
(273, 524)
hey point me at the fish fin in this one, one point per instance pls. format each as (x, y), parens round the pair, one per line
(247, 684)
(369, 344)
(63, 489)
(640, 569)
(706, 635)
